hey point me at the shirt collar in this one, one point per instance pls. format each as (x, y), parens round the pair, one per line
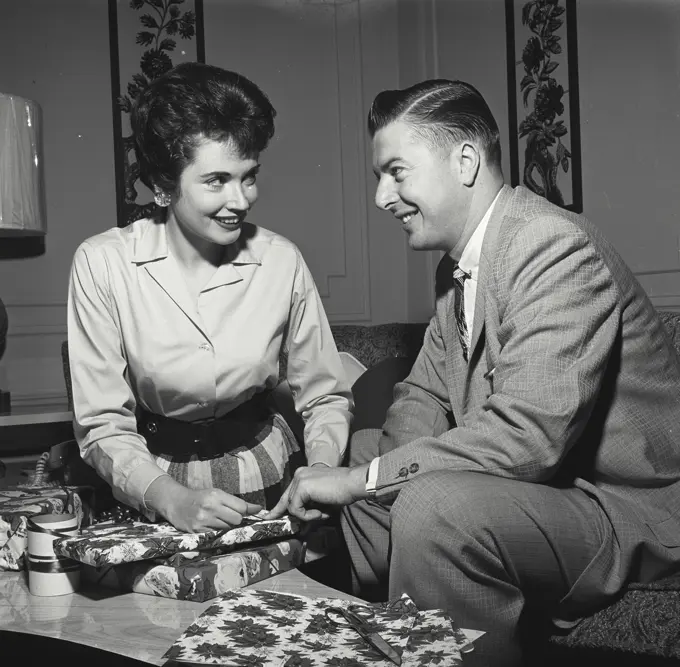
(152, 244)
(469, 260)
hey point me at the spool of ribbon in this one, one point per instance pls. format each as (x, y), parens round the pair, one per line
(49, 574)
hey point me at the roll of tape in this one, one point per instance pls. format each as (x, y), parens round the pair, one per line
(49, 574)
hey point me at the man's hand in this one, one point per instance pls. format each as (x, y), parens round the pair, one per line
(320, 486)
(195, 511)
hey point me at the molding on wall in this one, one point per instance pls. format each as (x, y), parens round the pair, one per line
(429, 25)
(40, 401)
(38, 330)
(32, 368)
(351, 140)
(433, 60)
(39, 304)
(324, 287)
(655, 272)
(666, 301)
(661, 286)
(36, 318)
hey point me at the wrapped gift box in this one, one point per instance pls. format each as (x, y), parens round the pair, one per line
(110, 543)
(18, 504)
(193, 576)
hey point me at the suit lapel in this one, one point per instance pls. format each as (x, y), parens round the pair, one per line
(488, 252)
(457, 369)
(453, 353)
(477, 385)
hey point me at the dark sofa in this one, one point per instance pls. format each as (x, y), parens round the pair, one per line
(642, 628)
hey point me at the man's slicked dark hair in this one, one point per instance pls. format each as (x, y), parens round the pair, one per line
(442, 112)
(194, 101)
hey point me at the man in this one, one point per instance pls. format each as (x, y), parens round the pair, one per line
(531, 457)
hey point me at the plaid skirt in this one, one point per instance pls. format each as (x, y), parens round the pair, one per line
(253, 453)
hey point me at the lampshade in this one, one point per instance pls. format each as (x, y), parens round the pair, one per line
(22, 210)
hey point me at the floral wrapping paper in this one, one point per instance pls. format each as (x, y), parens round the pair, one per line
(17, 505)
(192, 576)
(268, 629)
(110, 543)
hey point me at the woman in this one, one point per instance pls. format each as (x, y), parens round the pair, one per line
(177, 324)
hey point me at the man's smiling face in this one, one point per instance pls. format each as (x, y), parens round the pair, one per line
(420, 185)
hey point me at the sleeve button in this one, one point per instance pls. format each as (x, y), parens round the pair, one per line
(414, 468)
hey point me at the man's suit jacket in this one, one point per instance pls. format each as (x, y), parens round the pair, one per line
(571, 379)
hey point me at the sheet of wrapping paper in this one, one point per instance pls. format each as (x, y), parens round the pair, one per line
(268, 629)
(16, 505)
(109, 543)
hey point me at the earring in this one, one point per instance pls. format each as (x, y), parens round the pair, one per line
(161, 198)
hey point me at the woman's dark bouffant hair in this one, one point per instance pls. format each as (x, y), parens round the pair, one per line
(190, 102)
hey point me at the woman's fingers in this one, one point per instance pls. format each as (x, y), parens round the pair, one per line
(252, 508)
(215, 523)
(212, 509)
(233, 504)
(220, 517)
(219, 510)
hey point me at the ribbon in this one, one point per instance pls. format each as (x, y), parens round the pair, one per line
(49, 564)
(58, 566)
(37, 528)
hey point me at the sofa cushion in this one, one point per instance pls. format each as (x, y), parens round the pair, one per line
(671, 321)
(373, 343)
(373, 391)
(353, 368)
(641, 629)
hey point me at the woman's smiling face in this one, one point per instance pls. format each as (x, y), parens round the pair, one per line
(216, 190)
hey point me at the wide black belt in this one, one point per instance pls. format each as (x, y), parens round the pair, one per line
(208, 439)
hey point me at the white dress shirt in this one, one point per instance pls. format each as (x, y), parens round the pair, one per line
(469, 262)
(136, 336)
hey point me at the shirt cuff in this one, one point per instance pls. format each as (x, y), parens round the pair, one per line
(372, 476)
(139, 480)
(324, 453)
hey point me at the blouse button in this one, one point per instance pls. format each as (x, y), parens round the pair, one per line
(152, 428)
(414, 468)
(204, 346)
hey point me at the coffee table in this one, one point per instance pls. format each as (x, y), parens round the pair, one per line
(119, 625)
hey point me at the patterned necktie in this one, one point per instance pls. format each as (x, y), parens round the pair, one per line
(459, 278)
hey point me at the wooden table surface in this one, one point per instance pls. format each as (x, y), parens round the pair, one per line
(137, 626)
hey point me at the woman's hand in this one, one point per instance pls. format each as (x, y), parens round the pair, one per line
(195, 511)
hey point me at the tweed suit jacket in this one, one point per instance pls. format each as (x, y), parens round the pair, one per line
(571, 378)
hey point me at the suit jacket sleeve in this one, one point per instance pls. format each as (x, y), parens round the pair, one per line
(421, 404)
(559, 312)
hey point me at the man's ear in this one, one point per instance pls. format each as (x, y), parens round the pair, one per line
(468, 159)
